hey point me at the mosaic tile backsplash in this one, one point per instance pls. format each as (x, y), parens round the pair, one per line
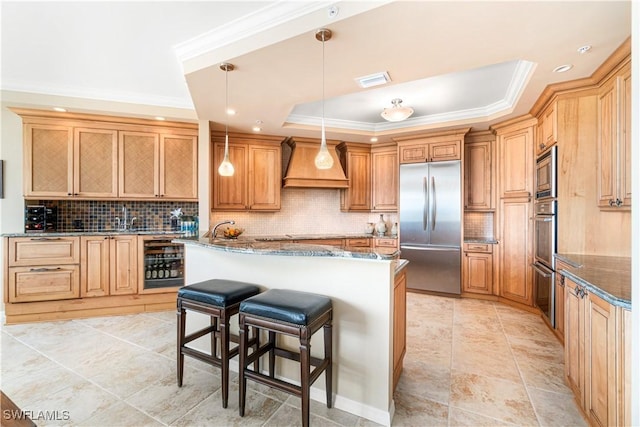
(478, 225)
(83, 215)
(305, 211)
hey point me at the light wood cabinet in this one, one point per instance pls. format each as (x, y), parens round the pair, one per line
(614, 141)
(255, 184)
(109, 265)
(89, 156)
(385, 242)
(547, 129)
(477, 269)
(597, 355)
(385, 177)
(399, 324)
(330, 242)
(431, 147)
(42, 269)
(358, 243)
(48, 160)
(62, 161)
(153, 165)
(514, 142)
(559, 300)
(356, 162)
(478, 171)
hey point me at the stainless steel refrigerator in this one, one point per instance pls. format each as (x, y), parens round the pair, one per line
(430, 225)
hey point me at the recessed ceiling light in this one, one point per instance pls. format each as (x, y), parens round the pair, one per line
(374, 139)
(231, 112)
(375, 79)
(562, 68)
(159, 118)
(584, 49)
(256, 127)
(60, 109)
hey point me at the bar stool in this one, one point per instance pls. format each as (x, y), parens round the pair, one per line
(219, 299)
(292, 313)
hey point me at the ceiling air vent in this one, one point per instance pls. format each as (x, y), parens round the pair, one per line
(373, 79)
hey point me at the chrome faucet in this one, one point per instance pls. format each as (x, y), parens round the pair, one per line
(214, 229)
(123, 224)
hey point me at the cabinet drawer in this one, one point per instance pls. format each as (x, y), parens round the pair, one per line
(330, 242)
(478, 247)
(358, 243)
(386, 243)
(45, 283)
(42, 250)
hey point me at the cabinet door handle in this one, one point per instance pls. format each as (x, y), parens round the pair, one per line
(562, 280)
(611, 202)
(618, 202)
(40, 270)
(40, 239)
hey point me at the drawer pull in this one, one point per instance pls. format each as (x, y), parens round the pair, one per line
(45, 238)
(43, 269)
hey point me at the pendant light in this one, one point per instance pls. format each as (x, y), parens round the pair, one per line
(323, 159)
(226, 168)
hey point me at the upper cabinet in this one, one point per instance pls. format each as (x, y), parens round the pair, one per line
(614, 141)
(431, 147)
(547, 129)
(385, 175)
(479, 173)
(515, 157)
(100, 157)
(255, 184)
(156, 165)
(356, 162)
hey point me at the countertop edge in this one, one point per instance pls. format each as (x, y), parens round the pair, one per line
(290, 249)
(612, 299)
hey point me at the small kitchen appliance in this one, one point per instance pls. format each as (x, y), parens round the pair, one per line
(40, 218)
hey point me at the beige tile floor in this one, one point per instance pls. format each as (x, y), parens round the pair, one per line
(468, 363)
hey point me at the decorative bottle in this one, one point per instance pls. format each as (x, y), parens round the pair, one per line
(381, 227)
(394, 230)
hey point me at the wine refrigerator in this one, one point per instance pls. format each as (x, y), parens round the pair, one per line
(163, 263)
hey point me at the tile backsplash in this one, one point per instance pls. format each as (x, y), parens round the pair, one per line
(305, 211)
(478, 225)
(94, 215)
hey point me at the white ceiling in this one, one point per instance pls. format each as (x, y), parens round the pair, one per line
(454, 62)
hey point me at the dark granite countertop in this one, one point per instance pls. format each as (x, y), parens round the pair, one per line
(271, 246)
(608, 277)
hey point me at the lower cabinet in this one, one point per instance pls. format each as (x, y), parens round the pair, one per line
(477, 269)
(399, 324)
(109, 265)
(597, 355)
(515, 277)
(385, 242)
(42, 268)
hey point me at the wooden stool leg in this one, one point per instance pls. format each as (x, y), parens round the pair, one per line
(305, 365)
(224, 350)
(272, 353)
(181, 314)
(243, 350)
(214, 334)
(328, 373)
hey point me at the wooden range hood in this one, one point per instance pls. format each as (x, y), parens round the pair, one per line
(301, 170)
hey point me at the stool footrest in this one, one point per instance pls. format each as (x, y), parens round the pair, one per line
(198, 334)
(281, 352)
(273, 382)
(207, 358)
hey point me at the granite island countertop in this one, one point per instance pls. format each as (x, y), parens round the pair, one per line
(608, 277)
(272, 245)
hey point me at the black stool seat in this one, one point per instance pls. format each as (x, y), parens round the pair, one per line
(220, 300)
(218, 292)
(299, 308)
(295, 314)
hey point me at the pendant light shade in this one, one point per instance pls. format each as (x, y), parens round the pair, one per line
(323, 159)
(397, 113)
(226, 168)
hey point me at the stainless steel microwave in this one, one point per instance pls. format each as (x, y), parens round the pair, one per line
(546, 175)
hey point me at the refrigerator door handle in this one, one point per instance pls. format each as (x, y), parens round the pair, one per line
(431, 248)
(425, 201)
(434, 207)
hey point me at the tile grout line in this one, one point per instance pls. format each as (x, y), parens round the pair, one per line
(515, 360)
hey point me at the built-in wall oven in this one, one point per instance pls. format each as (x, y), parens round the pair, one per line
(545, 230)
(544, 249)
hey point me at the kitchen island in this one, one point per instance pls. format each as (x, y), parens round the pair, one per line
(369, 309)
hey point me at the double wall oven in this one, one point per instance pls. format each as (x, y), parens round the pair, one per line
(545, 230)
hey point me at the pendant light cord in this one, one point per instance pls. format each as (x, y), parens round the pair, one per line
(226, 112)
(324, 139)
